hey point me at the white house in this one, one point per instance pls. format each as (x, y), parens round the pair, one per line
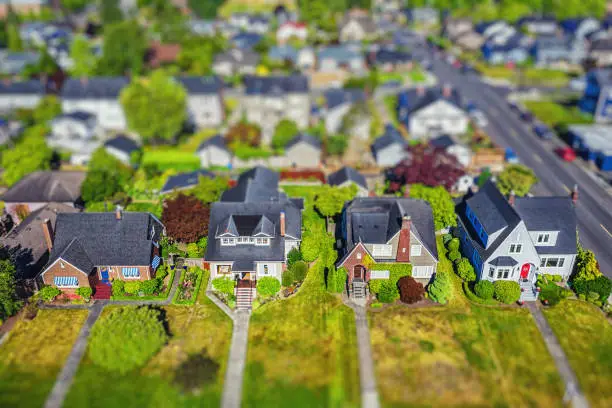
(122, 147)
(290, 30)
(204, 100)
(304, 151)
(16, 95)
(235, 61)
(338, 103)
(306, 58)
(213, 153)
(75, 132)
(390, 148)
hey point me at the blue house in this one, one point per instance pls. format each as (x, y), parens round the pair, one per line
(283, 53)
(514, 49)
(551, 49)
(245, 41)
(597, 97)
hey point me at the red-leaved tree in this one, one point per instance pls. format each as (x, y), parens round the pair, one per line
(410, 290)
(425, 165)
(186, 218)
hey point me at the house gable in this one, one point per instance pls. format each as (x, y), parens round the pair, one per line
(439, 108)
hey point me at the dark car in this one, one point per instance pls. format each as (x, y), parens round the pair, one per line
(543, 131)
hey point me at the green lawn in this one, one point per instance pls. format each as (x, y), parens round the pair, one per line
(33, 355)
(554, 114)
(526, 76)
(586, 337)
(201, 331)
(171, 158)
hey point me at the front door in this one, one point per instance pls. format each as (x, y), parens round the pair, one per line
(358, 272)
(525, 271)
(104, 275)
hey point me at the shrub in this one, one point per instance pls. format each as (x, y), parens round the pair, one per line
(454, 255)
(388, 292)
(440, 290)
(310, 246)
(132, 287)
(127, 338)
(396, 271)
(118, 287)
(300, 269)
(484, 289)
(48, 293)
(446, 238)
(465, 270)
(224, 285)
(550, 293)
(410, 290)
(601, 284)
(268, 286)
(193, 251)
(161, 272)
(592, 296)
(288, 278)
(293, 256)
(453, 245)
(507, 291)
(149, 287)
(340, 276)
(85, 292)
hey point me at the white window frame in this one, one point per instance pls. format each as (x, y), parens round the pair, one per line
(382, 251)
(515, 248)
(543, 238)
(416, 249)
(358, 255)
(66, 286)
(491, 272)
(379, 274)
(228, 241)
(262, 241)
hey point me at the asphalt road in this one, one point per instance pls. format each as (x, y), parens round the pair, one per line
(594, 209)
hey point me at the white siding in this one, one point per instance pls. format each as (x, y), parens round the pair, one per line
(274, 269)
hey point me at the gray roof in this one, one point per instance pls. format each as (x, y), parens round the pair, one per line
(550, 214)
(26, 243)
(33, 87)
(390, 137)
(93, 88)
(337, 97)
(217, 141)
(375, 220)
(431, 95)
(46, 187)
(184, 181)
(236, 56)
(79, 116)
(304, 138)
(492, 209)
(123, 143)
(92, 239)
(262, 175)
(504, 261)
(347, 174)
(201, 85)
(275, 85)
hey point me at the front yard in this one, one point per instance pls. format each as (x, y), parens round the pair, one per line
(33, 355)
(529, 76)
(586, 337)
(555, 114)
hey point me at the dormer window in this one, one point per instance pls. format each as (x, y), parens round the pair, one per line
(262, 241)
(543, 238)
(228, 241)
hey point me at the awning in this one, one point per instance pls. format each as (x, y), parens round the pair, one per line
(64, 281)
(156, 261)
(131, 272)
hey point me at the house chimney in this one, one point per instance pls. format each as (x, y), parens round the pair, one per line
(447, 90)
(420, 90)
(512, 198)
(118, 213)
(282, 223)
(574, 194)
(48, 233)
(84, 80)
(372, 193)
(403, 244)
(407, 191)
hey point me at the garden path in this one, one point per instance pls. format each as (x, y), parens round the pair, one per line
(232, 387)
(572, 388)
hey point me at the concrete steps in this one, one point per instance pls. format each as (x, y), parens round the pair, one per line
(244, 298)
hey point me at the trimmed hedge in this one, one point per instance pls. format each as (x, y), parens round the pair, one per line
(224, 285)
(268, 286)
(484, 289)
(336, 280)
(300, 269)
(507, 291)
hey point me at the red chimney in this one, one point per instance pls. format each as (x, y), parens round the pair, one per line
(407, 191)
(282, 223)
(403, 245)
(574, 194)
(420, 90)
(447, 90)
(48, 233)
(372, 193)
(512, 198)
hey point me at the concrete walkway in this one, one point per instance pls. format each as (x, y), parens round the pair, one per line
(66, 376)
(573, 393)
(232, 387)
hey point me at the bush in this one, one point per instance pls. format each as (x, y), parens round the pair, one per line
(132, 287)
(85, 292)
(484, 289)
(149, 287)
(161, 272)
(224, 285)
(300, 269)
(48, 293)
(454, 255)
(388, 292)
(310, 246)
(410, 290)
(453, 245)
(441, 290)
(446, 238)
(507, 291)
(127, 338)
(118, 287)
(550, 293)
(193, 251)
(293, 256)
(288, 278)
(601, 284)
(268, 286)
(396, 271)
(340, 275)
(465, 270)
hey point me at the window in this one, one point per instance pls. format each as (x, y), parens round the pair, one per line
(62, 264)
(265, 269)
(382, 251)
(415, 250)
(379, 275)
(516, 248)
(223, 269)
(552, 262)
(228, 241)
(503, 273)
(491, 272)
(506, 273)
(543, 238)
(130, 272)
(262, 241)
(358, 255)
(561, 260)
(542, 262)
(152, 231)
(66, 281)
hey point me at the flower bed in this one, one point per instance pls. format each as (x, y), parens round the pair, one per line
(121, 293)
(188, 286)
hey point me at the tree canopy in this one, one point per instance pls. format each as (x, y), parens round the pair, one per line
(48, 108)
(197, 54)
(123, 50)
(440, 201)
(209, 190)
(30, 154)
(587, 267)
(285, 130)
(183, 228)
(517, 178)
(9, 303)
(330, 200)
(106, 176)
(244, 133)
(205, 9)
(155, 107)
(85, 61)
(110, 12)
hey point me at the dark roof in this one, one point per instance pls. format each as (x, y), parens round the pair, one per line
(26, 242)
(216, 140)
(492, 209)
(443, 141)
(375, 220)
(391, 136)
(503, 261)
(337, 97)
(602, 44)
(262, 175)
(304, 138)
(123, 143)
(201, 85)
(258, 184)
(80, 116)
(46, 187)
(183, 181)
(275, 85)
(22, 87)
(90, 239)
(416, 99)
(93, 88)
(550, 214)
(347, 174)
(386, 56)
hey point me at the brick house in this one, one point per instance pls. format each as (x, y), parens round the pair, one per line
(92, 249)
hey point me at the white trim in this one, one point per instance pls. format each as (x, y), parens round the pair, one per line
(54, 262)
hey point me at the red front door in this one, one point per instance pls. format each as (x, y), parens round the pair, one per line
(525, 271)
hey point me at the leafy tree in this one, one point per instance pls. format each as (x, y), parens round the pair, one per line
(45, 66)
(293, 256)
(182, 228)
(205, 9)
(465, 270)
(13, 37)
(84, 59)
(484, 176)
(340, 276)
(453, 244)
(48, 108)
(30, 154)
(268, 286)
(74, 5)
(245, 133)
(517, 178)
(285, 131)
(441, 204)
(337, 144)
(48, 293)
(506, 291)
(484, 289)
(600, 285)
(106, 177)
(209, 190)
(160, 94)
(127, 338)
(123, 50)
(110, 12)
(310, 245)
(454, 255)
(410, 290)
(197, 54)
(587, 267)
(299, 271)
(288, 278)
(441, 290)
(330, 201)
(9, 303)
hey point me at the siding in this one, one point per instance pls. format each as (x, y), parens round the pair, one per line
(56, 270)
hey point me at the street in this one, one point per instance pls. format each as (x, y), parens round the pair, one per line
(556, 177)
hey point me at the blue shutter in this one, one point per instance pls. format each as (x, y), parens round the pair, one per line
(156, 261)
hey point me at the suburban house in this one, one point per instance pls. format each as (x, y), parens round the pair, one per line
(184, 181)
(390, 148)
(12, 63)
(93, 249)
(22, 7)
(27, 247)
(580, 27)
(306, 58)
(122, 147)
(356, 26)
(551, 50)
(538, 25)
(338, 103)
(597, 97)
(494, 28)
(16, 95)
(235, 61)
(469, 40)
(251, 23)
(245, 41)
(423, 16)
(40, 188)
(390, 60)
(289, 30)
(408, 39)
(78, 133)
(202, 27)
(214, 152)
(348, 176)
(593, 143)
(513, 49)
(600, 51)
(519, 237)
(340, 57)
(462, 153)
(269, 99)
(304, 151)
(283, 54)
(376, 231)
(159, 54)
(432, 112)
(96, 95)
(453, 27)
(251, 231)
(204, 100)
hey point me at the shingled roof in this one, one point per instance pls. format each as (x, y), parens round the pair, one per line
(347, 174)
(46, 187)
(275, 85)
(94, 88)
(184, 181)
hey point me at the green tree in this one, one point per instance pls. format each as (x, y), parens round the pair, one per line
(337, 144)
(127, 338)
(330, 200)
(441, 204)
(9, 303)
(48, 108)
(30, 154)
(310, 246)
(45, 66)
(84, 59)
(268, 286)
(209, 190)
(106, 176)
(197, 53)
(205, 9)
(587, 267)
(517, 178)
(441, 289)
(74, 5)
(155, 107)
(13, 38)
(465, 270)
(123, 50)
(285, 130)
(110, 12)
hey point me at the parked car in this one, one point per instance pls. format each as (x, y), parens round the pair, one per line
(510, 156)
(566, 153)
(543, 131)
(526, 116)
